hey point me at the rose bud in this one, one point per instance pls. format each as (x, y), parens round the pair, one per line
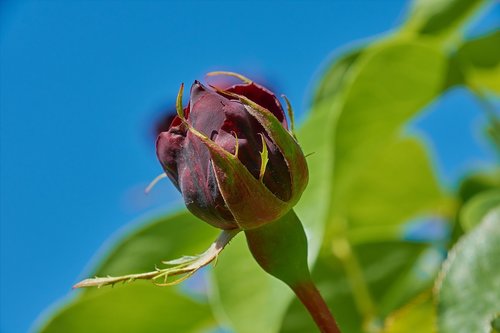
(231, 155)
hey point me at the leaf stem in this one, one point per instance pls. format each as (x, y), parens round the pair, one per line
(341, 248)
(309, 295)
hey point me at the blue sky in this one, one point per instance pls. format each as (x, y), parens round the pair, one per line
(83, 81)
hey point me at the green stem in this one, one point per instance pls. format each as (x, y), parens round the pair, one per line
(280, 248)
(362, 296)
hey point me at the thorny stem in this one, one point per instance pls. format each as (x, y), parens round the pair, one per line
(185, 266)
(309, 295)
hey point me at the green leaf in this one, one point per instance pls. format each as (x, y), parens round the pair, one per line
(495, 324)
(479, 61)
(419, 313)
(477, 183)
(439, 17)
(390, 84)
(399, 184)
(474, 211)
(244, 296)
(162, 238)
(333, 79)
(141, 306)
(468, 288)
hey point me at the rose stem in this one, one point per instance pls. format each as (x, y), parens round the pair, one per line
(309, 295)
(280, 248)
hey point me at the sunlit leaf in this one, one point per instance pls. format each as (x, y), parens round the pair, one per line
(333, 79)
(398, 185)
(479, 61)
(245, 297)
(165, 238)
(474, 211)
(437, 17)
(468, 288)
(141, 306)
(418, 313)
(391, 84)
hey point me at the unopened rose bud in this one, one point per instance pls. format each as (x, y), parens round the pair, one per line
(231, 155)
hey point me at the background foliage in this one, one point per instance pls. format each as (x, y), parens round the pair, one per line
(370, 209)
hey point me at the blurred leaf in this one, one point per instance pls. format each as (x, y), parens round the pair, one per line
(333, 80)
(419, 313)
(389, 85)
(398, 185)
(470, 187)
(495, 325)
(246, 298)
(474, 211)
(479, 60)
(437, 17)
(477, 183)
(165, 238)
(382, 265)
(468, 288)
(141, 306)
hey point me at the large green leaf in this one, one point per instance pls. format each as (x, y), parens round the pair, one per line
(473, 212)
(468, 288)
(389, 85)
(479, 61)
(398, 185)
(419, 313)
(140, 307)
(333, 79)
(438, 17)
(164, 238)
(244, 296)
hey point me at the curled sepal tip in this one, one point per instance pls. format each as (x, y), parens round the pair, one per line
(233, 74)
(181, 268)
(178, 102)
(289, 109)
(285, 141)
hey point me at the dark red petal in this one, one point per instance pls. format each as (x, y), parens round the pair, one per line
(261, 96)
(240, 123)
(205, 113)
(199, 187)
(168, 147)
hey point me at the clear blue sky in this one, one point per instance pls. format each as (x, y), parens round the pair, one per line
(83, 81)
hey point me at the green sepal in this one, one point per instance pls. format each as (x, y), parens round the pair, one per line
(286, 143)
(239, 188)
(280, 248)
